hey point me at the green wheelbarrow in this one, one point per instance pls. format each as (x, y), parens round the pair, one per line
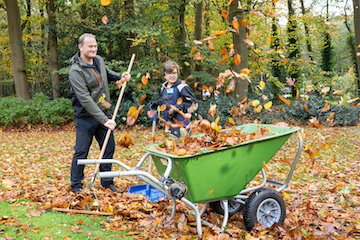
(217, 178)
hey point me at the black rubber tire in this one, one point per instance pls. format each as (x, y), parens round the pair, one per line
(234, 206)
(266, 206)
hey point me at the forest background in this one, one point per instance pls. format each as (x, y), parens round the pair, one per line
(298, 59)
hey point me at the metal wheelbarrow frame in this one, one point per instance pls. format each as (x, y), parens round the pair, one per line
(218, 178)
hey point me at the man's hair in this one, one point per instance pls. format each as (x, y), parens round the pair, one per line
(170, 66)
(83, 36)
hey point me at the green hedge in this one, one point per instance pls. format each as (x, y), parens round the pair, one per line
(18, 112)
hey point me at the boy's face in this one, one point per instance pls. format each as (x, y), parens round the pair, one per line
(171, 76)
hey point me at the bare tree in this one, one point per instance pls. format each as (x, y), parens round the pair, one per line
(22, 86)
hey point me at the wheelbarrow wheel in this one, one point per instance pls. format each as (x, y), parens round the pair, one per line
(264, 206)
(233, 206)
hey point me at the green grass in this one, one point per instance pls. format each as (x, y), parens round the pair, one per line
(15, 223)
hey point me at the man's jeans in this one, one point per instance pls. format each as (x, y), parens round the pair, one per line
(86, 129)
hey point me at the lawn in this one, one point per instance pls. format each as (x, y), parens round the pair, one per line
(323, 199)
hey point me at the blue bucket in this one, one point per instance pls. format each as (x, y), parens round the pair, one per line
(150, 192)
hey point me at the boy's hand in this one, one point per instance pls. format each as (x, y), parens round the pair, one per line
(151, 113)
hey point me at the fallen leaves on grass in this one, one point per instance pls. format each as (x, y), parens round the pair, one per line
(322, 199)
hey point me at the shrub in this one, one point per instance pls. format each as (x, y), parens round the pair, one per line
(39, 110)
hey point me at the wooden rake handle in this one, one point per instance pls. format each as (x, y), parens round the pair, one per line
(103, 147)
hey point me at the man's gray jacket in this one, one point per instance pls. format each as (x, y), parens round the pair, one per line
(88, 83)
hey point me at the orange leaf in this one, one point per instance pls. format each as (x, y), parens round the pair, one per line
(230, 2)
(224, 14)
(245, 71)
(105, 2)
(231, 121)
(285, 61)
(193, 49)
(237, 59)
(104, 20)
(231, 87)
(258, 109)
(196, 84)
(156, 71)
(139, 86)
(179, 101)
(234, 111)
(144, 80)
(235, 24)
(204, 88)
(210, 89)
(197, 56)
(219, 33)
(163, 107)
(284, 100)
(212, 110)
(306, 107)
(326, 107)
(331, 116)
(142, 98)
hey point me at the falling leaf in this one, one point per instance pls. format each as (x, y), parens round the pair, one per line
(306, 108)
(231, 121)
(352, 100)
(139, 86)
(258, 109)
(255, 103)
(235, 24)
(326, 107)
(162, 108)
(193, 49)
(284, 100)
(331, 116)
(104, 20)
(105, 2)
(262, 84)
(237, 59)
(285, 61)
(314, 122)
(268, 105)
(231, 87)
(230, 2)
(196, 84)
(125, 140)
(224, 14)
(245, 71)
(212, 110)
(219, 33)
(142, 98)
(234, 111)
(249, 42)
(197, 56)
(275, 1)
(338, 92)
(179, 101)
(325, 90)
(144, 80)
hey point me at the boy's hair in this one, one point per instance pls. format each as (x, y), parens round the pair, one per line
(83, 36)
(170, 66)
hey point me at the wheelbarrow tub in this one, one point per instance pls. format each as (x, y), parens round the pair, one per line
(224, 173)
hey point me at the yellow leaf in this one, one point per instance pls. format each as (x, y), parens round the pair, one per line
(255, 103)
(262, 84)
(286, 196)
(268, 105)
(105, 2)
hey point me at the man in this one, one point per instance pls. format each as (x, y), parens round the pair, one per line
(88, 77)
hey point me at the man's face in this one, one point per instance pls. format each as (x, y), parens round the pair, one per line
(88, 48)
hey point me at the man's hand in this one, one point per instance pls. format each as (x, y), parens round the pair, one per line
(110, 124)
(125, 76)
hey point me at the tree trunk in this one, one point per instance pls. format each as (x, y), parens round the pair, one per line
(54, 65)
(198, 26)
(241, 86)
(307, 35)
(356, 4)
(22, 86)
